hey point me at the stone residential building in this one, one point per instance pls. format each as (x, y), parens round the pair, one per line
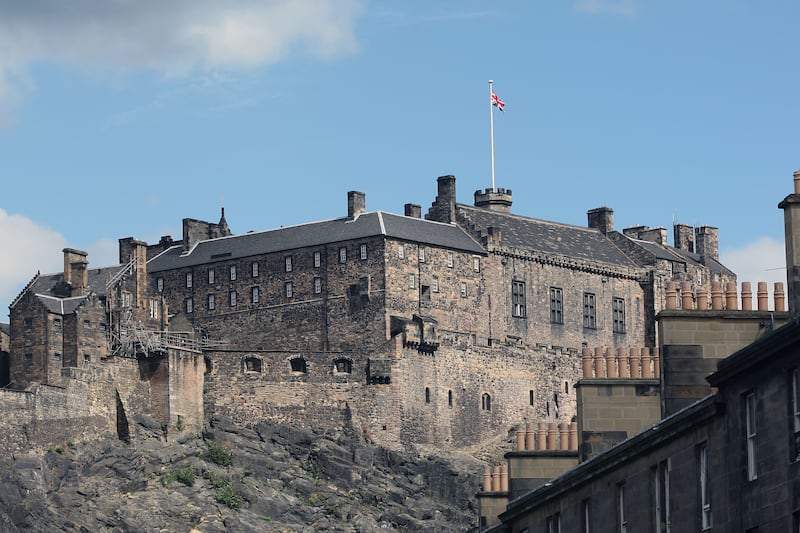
(724, 454)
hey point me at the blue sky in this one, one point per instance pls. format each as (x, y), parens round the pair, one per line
(120, 119)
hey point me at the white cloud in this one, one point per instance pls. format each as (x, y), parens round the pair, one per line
(625, 8)
(761, 260)
(173, 38)
(27, 247)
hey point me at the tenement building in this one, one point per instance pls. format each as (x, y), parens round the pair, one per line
(710, 441)
(443, 330)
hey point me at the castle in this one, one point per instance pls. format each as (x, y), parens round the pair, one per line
(445, 330)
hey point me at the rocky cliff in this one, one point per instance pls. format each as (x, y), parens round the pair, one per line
(265, 478)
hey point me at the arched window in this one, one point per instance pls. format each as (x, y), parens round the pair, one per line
(252, 364)
(450, 398)
(427, 395)
(343, 366)
(299, 365)
(486, 402)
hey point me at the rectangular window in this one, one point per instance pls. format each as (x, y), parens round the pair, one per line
(618, 310)
(586, 516)
(160, 284)
(126, 299)
(342, 254)
(622, 521)
(189, 305)
(317, 259)
(233, 272)
(401, 251)
(750, 435)
(435, 284)
(412, 281)
(362, 250)
(87, 358)
(255, 295)
(211, 273)
(554, 523)
(288, 262)
(57, 324)
(589, 311)
(794, 412)
(153, 310)
(317, 285)
(254, 269)
(703, 481)
(289, 289)
(660, 480)
(556, 306)
(232, 298)
(87, 324)
(463, 290)
(425, 293)
(212, 302)
(189, 282)
(450, 260)
(476, 264)
(421, 254)
(518, 299)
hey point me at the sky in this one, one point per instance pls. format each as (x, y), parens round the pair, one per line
(121, 118)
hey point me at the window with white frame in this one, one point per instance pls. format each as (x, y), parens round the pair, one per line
(289, 289)
(421, 254)
(556, 305)
(660, 482)
(401, 251)
(233, 272)
(750, 435)
(342, 254)
(211, 302)
(232, 298)
(189, 281)
(189, 305)
(362, 250)
(412, 281)
(618, 311)
(794, 410)
(553, 523)
(450, 260)
(476, 264)
(288, 263)
(435, 284)
(622, 520)
(160, 284)
(463, 289)
(254, 269)
(211, 274)
(703, 481)
(255, 295)
(589, 311)
(317, 285)
(317, 259)
(518, 299)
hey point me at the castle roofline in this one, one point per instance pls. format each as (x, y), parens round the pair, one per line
(365, 225)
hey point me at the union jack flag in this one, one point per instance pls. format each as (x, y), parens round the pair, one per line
(497, 102)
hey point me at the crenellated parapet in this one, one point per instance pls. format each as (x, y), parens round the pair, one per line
(626, 363)
(718, 298)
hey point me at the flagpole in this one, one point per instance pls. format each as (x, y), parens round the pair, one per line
(491, 128)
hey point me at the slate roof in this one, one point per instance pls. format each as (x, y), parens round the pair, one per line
(548, 237)
(96, 277)
(366, 225)
(61, 306)
(675, 254)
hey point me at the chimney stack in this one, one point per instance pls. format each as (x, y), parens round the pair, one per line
(683, 236)
(76, 270)
(791, 223)
(356, 204)
(706, 239)
(444, 207)
(413, 210)
(601, 218)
